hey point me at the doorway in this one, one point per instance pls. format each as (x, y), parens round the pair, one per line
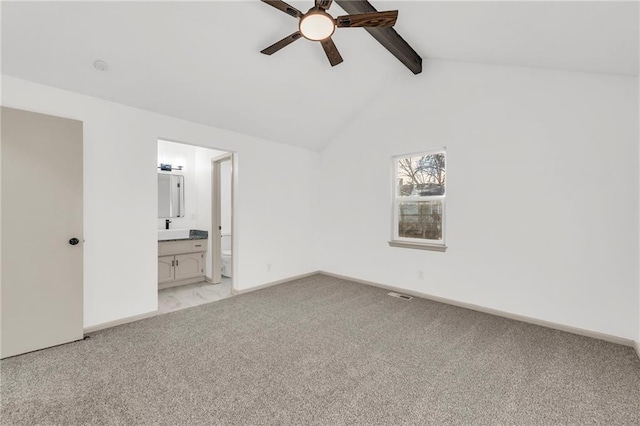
(191, 202)
(222, 217)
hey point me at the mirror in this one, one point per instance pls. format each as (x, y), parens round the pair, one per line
(170, 196)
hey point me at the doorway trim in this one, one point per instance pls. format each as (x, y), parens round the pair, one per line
(216, 217)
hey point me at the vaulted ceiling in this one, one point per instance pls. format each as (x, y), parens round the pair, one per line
(200, 61)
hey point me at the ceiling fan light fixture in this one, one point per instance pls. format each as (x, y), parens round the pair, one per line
(317, 26)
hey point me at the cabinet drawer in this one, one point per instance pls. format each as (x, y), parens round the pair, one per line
(199, 245)
(174, 247)
(166, 248)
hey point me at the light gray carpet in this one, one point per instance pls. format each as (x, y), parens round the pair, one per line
(324, 351)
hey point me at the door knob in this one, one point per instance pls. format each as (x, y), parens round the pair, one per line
(74, 241)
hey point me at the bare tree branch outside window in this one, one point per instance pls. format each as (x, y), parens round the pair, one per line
(423, 177)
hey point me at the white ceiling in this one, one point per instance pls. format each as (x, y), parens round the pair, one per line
(200, 61)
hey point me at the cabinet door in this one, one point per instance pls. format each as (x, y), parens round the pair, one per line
(165, 269)
(189, 266)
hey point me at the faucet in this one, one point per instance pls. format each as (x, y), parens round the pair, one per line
(166, 224)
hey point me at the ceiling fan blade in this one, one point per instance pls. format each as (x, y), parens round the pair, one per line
(282, 43)
(388, 37)
(332, 51)
(373, 19)
(286, 8)
(324, 4)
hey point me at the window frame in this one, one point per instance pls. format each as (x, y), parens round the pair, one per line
(416, 243)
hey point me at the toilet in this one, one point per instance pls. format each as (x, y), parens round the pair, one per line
(226, 255)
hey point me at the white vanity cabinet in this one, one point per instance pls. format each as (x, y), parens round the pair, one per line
(181, 262)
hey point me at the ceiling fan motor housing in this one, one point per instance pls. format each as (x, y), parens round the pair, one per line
(317, 25)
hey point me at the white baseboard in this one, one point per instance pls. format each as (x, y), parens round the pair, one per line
(271, 284)
(121, 321)
(210, 280)
(181, 282)
(530, 320)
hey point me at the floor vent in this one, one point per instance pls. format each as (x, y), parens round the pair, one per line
(399, 296)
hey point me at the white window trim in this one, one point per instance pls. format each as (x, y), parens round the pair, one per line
(413, 243)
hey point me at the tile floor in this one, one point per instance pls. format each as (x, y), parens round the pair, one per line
(185, 296)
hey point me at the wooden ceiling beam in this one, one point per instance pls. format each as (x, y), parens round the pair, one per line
(388, 37)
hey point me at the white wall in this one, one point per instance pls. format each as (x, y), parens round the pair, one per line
(542, 216)
(120, 197)
(518, 141)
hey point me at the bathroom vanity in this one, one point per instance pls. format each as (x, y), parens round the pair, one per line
(181, 260)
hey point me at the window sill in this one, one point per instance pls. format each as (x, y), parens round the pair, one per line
(419, 246)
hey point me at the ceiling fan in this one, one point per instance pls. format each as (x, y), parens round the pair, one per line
(318, 25)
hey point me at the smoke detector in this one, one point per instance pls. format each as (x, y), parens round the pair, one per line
(100, 65)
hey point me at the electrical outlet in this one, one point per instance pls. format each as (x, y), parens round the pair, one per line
(421, 275)
(268, 267)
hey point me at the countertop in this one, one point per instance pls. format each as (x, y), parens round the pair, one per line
(194, 234)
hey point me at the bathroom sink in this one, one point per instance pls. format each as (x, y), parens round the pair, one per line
(172, 234)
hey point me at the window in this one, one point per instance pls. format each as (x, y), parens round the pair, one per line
(419, 199)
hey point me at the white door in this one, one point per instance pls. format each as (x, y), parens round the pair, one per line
(42, 238)
(216, 215)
